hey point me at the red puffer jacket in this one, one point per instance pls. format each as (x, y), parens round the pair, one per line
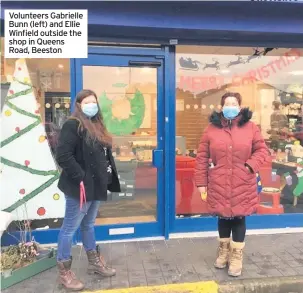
(231, 145)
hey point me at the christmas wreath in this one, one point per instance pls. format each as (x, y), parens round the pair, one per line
(123, 116)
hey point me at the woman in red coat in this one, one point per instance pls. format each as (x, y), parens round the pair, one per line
(230, 154)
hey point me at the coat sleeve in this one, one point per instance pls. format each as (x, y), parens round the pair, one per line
(65, 154)
(259, 151)
(202, 160)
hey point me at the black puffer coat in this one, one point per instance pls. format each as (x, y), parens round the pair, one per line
(81, 161)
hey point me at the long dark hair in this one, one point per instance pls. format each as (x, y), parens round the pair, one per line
(95, 129)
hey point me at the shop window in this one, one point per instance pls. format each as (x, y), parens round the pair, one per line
(35, 103)
(270, 82)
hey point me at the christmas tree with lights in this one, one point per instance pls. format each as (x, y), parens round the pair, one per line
(28, 179)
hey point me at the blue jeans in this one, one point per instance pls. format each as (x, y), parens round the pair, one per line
(73, 219)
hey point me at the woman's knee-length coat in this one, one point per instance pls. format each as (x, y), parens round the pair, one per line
(237, 150)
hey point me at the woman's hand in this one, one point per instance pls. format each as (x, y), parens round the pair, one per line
(249, 169)
(202, 189)
(203, 192)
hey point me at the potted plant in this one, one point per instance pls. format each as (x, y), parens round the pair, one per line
(24, 259)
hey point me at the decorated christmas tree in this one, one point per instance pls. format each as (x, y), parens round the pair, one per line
(28, 179)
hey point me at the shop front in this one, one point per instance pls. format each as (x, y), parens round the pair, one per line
(157, 83)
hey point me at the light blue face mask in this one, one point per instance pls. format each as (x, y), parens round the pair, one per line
(230, 112)
(90, 109)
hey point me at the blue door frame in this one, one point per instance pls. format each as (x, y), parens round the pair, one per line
(120, 57)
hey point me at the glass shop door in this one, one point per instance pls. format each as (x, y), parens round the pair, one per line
(129, 86)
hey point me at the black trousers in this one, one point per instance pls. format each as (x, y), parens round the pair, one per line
(236, 227)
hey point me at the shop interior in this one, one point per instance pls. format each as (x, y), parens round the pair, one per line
(128, 99)
(262, 76)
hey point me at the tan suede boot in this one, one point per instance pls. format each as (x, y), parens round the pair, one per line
(223, 253)
(97, 264)
(236, 258)
(67, 278)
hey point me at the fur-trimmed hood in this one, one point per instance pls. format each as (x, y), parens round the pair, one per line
(217, 119)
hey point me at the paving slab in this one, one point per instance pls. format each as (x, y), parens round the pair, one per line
(179, 261)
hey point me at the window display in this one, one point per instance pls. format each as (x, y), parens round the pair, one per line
(35, 103)
(270, 82)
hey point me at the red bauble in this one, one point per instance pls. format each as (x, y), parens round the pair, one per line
(17, 129)
(41, 211)
(22, 191)
(11, 92)
(26, 163)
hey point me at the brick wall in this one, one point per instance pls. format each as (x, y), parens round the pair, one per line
(191, 122)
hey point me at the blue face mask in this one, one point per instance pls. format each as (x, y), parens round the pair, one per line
(90, 109)
(230, 112)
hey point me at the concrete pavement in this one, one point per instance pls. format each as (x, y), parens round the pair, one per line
(186, 265)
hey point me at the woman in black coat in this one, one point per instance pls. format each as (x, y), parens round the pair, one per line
(88, 172)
